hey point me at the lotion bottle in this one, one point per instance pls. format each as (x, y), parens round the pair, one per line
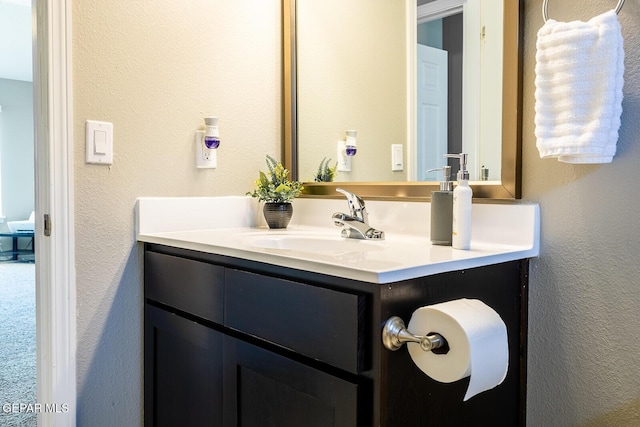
(462, 195)
(442, 209)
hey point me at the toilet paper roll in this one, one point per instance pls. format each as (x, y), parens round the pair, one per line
(478, 344)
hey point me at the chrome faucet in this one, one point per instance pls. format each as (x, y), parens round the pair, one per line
(355, 225)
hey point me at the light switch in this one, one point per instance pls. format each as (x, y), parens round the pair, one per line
(397, 160)
(99, 142)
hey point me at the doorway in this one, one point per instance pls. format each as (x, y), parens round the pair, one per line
(53, 216)
(17, 202)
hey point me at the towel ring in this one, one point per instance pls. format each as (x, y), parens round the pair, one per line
(545, 7)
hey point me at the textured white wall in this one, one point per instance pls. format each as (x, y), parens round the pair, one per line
(154, 69)
(584, 318)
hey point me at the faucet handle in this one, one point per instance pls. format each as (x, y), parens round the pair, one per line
(356, 204)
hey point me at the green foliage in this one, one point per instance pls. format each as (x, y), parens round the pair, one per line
(275, 186)
(325, 173)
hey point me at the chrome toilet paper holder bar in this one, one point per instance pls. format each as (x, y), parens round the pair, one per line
(395, 334)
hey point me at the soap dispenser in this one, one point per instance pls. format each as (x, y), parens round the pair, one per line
(462, 195)
(442, 209)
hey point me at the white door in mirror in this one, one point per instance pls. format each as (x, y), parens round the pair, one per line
(99, 142)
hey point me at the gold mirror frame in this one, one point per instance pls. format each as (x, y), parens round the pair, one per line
(509, 186)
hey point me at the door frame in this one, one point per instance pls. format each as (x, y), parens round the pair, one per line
(55, 253)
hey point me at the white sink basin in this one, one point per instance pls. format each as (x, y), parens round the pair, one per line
(308, 242)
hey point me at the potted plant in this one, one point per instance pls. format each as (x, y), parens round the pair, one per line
(277, 191)
(325, 173)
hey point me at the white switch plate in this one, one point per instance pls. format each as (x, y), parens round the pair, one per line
(99, 142)
(397, 157)
(205, 157)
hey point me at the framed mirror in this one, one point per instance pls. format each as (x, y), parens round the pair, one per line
(391, 103)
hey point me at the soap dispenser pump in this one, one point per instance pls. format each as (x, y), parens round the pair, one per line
(462, 198)
(442, 209)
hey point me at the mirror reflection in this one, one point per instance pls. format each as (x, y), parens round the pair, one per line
(351, 64)
(412, 92)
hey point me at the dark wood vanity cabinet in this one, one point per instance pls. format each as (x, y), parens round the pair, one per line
(232, 342)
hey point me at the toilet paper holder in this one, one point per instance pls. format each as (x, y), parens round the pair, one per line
(395, 334)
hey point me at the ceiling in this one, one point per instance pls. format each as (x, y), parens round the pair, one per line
(15, 40)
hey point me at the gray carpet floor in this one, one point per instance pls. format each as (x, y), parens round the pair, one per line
(17, 342)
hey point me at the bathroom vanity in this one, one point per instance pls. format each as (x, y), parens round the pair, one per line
(247, 326)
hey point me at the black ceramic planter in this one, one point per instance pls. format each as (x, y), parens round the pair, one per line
(277, 215)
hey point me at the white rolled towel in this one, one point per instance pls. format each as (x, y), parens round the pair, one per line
(579, 79)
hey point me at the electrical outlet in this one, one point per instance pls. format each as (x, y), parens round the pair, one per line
(205, 158)
(344, 161)
(206, 153)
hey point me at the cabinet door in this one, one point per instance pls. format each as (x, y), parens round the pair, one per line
(182, 373)
(265, 389)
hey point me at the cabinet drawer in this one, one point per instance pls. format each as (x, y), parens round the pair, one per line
(320, 323)
(192, 286)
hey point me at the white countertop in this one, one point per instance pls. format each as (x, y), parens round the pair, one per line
(231, 226)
